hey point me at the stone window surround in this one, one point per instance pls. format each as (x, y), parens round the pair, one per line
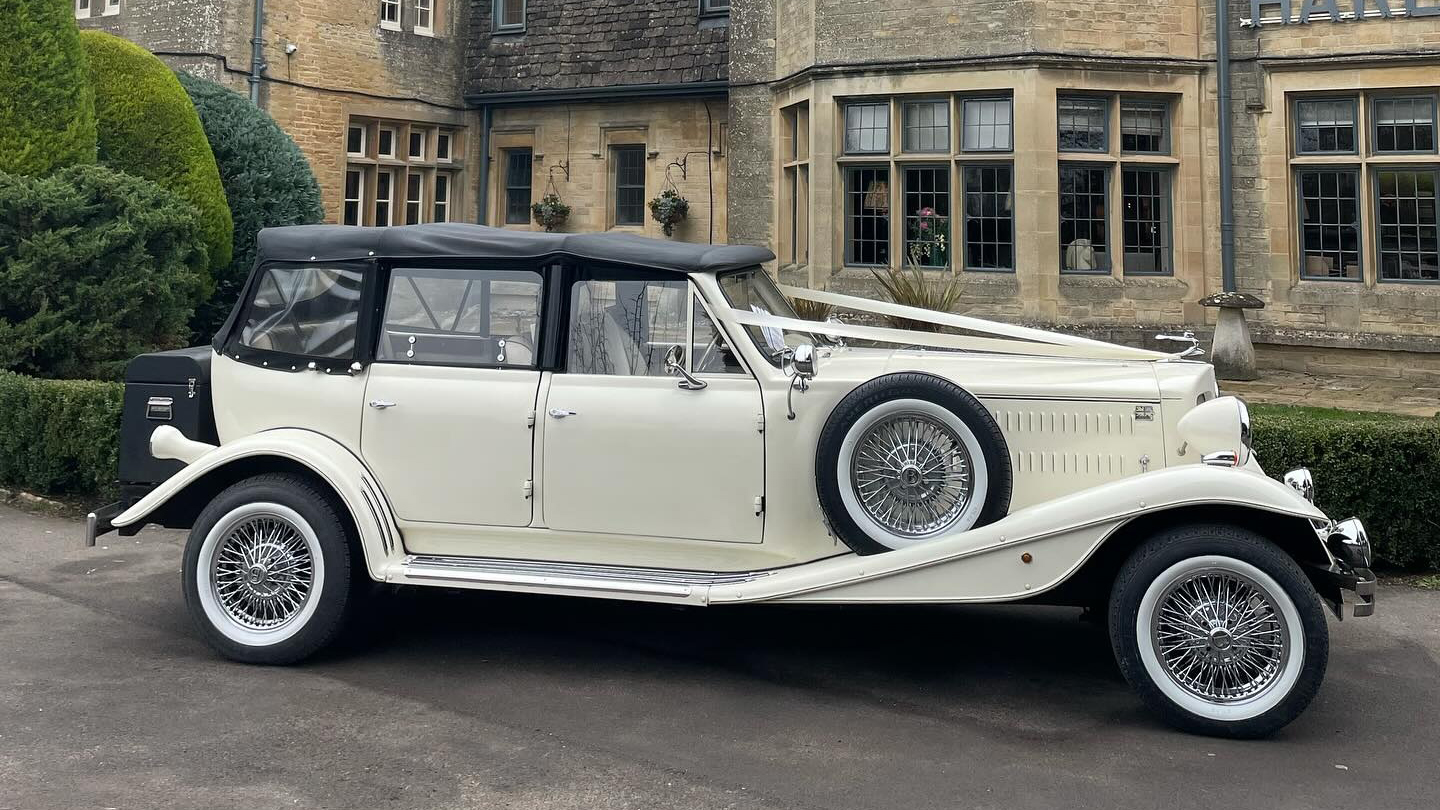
(412, 16)
(371, 163)
(1115, 162)
(794, 152)
(502, 142)
(1366, 162)
(896, 159)
(497, 16)
(85, 9)
(613, 135)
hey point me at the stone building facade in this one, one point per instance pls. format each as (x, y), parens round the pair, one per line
(1067, 152)
(606, 105)
(371, 90)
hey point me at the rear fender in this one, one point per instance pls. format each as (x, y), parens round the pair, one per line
(328, 460)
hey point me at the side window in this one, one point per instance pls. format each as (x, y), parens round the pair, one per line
(465, 317)
(311, 311)
(625, 327)
(709, 352)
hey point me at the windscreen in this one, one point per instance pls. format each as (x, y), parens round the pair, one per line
(311, 311)
(754, 290)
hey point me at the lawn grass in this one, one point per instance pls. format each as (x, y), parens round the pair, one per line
(1325, 414)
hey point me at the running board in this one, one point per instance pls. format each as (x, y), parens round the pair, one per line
(575, 578)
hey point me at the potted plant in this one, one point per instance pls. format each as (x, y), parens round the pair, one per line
(669, 209)
(550, 212)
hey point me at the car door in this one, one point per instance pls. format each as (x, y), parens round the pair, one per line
(451, 394)
(627, 449)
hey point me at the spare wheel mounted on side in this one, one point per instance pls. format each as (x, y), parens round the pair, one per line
(908, 457)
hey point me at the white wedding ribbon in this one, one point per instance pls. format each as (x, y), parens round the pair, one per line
(1017, 340)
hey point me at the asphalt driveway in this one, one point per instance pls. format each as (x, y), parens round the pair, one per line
(108, 699)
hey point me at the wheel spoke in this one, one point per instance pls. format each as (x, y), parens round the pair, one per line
(1219, 636)
(263, 572)
(911, 474)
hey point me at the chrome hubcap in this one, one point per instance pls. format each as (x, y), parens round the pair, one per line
(1220, 636)
(263, 572)
(912, 474)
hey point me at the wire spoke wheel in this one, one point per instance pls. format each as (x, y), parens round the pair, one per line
(912, 474)
(1219, 636)
(263, 572)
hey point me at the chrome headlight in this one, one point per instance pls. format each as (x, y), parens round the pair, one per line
(1349, 541)
(1302, 482)
(1218, 431)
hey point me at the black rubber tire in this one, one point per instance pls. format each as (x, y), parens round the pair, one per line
(336, 596)
(908, 385)
(1161, 552)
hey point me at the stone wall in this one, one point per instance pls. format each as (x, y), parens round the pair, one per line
(343, 64)
(609, 43)
(571, 145)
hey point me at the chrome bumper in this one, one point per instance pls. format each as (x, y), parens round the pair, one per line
(1349, 546)
(98, 522)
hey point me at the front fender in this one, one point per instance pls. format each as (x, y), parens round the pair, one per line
(329, 460)
(1027, 553)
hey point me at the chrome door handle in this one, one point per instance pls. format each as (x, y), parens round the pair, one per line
(559, 413)
(380, 404)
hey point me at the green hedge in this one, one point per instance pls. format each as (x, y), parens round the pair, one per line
(267, 183)
(47, 107)
(59, 437)
(1384, 470)
(96, 267)
(149, 128)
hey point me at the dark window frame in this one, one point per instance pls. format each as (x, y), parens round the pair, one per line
(1298, 128)
(845, 128)
(497, 16)
(1373, 124)
(1163, 105)
(512, 188)
(1167, 173)
(941, 170)
(1374, 201)
(848, 253)
(384, 286)
(963, 107)
(1108, 171)
(616, 150)
(714, 8)
(1104, 102)
(944, 146)
(228, 340)
(965, 218)
(1345, 168)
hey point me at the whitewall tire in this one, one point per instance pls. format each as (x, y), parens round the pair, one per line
(1219, 631)
(267, 570)
(907, 458)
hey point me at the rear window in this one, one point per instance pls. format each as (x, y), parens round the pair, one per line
(308, 310)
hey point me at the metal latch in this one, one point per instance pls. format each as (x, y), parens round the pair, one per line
(190, 388)
(528, 488)
(161, 409)
(759, 504)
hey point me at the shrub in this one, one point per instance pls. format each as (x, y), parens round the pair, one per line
(47, 108)
(59, 437)
(1385, 470)
(267, 183)
(910, 287)
(149, 128)
(96, 267)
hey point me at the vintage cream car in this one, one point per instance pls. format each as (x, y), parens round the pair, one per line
(619, 417)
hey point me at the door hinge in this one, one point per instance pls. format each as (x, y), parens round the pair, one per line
(528, 488)
(530, 419)
(759, 504)
(760, 422)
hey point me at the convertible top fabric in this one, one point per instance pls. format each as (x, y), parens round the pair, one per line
(305, 243)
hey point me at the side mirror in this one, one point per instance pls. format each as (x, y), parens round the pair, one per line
(675, 367)
(802, 360)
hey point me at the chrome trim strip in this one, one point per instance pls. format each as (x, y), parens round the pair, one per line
(370, 504)
(657, 581)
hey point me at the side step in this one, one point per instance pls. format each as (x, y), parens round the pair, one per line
(557, 577)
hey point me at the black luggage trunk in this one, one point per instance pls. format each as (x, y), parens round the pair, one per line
(163, 388)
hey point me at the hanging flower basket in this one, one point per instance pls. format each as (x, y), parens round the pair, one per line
(669, 209)
(550, 212)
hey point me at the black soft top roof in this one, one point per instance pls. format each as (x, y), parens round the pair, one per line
(303, 243)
